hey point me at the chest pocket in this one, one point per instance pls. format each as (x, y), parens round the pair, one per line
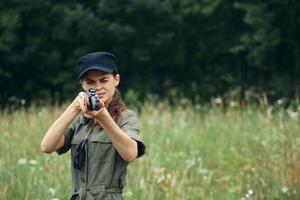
(79, 136)
(101, 148)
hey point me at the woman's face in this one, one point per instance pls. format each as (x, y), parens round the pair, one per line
(104, 83)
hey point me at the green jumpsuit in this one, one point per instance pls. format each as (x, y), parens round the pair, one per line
(103, 173)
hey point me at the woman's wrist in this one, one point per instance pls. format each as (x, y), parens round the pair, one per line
(102, 114)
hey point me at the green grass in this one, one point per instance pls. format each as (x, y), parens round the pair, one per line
(193, 152)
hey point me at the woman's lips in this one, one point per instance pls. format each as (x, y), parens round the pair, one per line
(100, 95)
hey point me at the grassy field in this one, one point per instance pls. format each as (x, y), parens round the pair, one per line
(193, 152)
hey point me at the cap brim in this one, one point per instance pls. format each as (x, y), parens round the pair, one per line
(97, 67)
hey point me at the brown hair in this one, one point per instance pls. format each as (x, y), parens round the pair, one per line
(116, 106)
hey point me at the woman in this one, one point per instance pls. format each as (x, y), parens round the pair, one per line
(103, 141)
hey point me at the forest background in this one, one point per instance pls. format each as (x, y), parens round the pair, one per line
(166, 48)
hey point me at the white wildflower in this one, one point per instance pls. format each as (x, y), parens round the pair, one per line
(293, 115)
(250, 192)
(284, 189)
(169, 176)
(190, 163)
(128, 193)
(202, 171)
(52, 191)
(233, 104)
(160, 179)
(281, 101)
(33, 162)
(218, 100)
(23, 101)
(22, 161)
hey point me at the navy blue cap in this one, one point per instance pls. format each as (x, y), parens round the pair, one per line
(102, 61)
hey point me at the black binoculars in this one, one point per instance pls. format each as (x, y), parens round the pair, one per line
(94, 102)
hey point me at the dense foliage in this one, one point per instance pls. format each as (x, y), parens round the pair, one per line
(200, 48)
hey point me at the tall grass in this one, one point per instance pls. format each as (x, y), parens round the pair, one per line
(193, 152)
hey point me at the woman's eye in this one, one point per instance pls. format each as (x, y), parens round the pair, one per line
(89, 82)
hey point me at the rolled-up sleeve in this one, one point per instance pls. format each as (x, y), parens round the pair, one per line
(129, 123)
(68, 137)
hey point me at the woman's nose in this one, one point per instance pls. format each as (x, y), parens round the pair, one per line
(98, 86)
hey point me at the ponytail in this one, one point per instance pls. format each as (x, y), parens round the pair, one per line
(116, 106)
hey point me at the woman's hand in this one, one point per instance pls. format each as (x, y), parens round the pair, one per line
(75, 104)
(83, 103)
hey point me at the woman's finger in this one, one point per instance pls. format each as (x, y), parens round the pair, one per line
(81, 100)
(102, 104)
